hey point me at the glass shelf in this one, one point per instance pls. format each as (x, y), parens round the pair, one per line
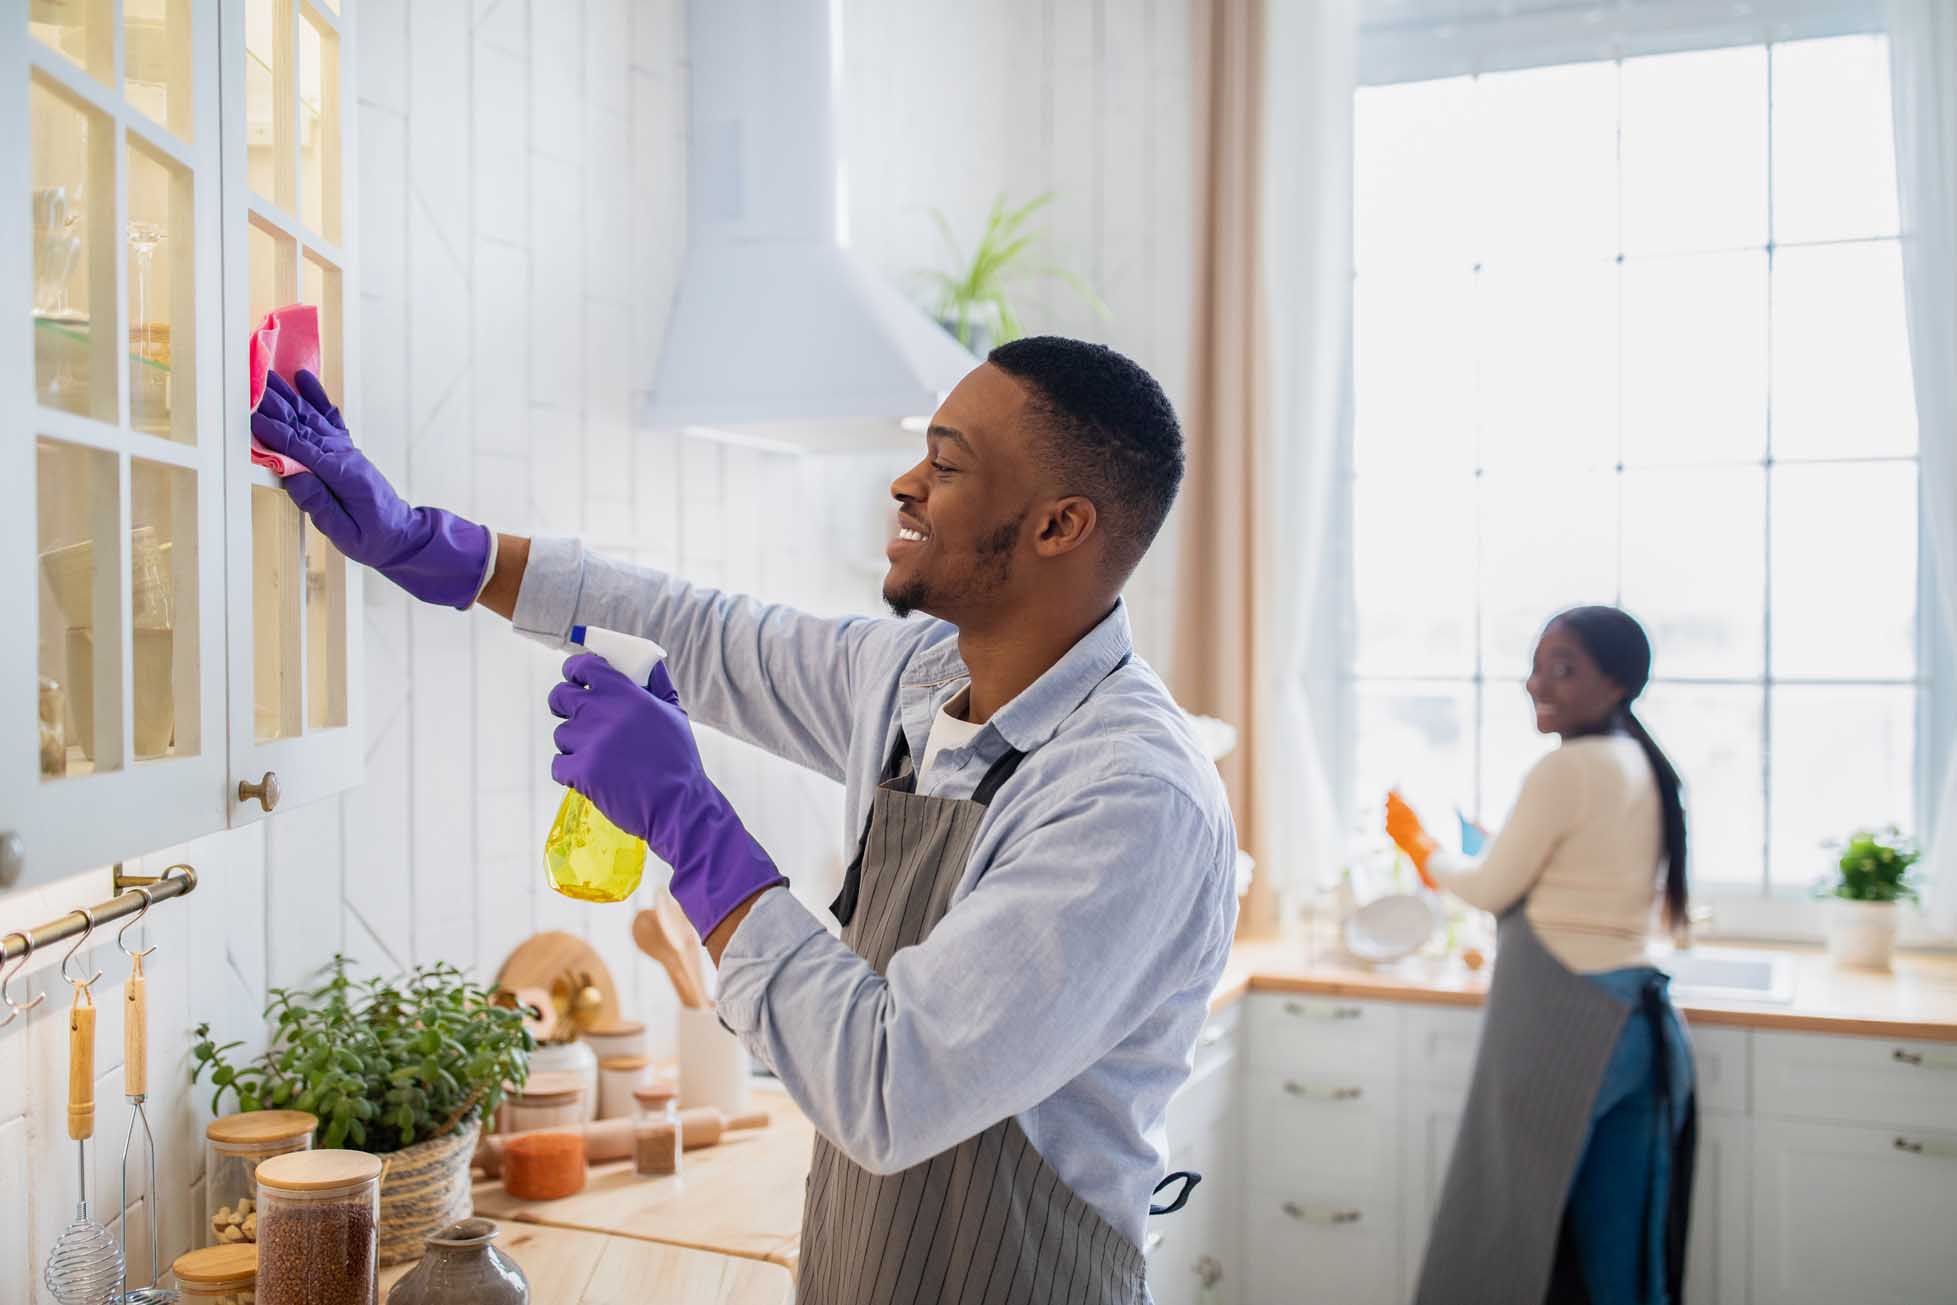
(73, 206)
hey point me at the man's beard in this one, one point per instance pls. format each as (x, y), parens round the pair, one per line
(990, 574)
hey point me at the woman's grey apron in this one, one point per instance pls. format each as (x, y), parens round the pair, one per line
(1546, 1038)
(987, 1222)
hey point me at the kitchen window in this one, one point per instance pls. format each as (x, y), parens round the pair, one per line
(1631, 330)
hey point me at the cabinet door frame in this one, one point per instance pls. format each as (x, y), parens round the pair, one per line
(74, 823)
(311, 764)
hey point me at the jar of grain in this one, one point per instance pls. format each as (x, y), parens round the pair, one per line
(234, 1147)
(656, 1137)
(218, 1275)
(544, 1101)
(618, 1077)
(617, 1038)
(319, 1229)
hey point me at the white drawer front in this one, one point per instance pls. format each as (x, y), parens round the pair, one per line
(1321, 1135)
(1324, 1035)
(1719, 1056)
(1855, 1080)
(1439, 1044)
(1335, 1252)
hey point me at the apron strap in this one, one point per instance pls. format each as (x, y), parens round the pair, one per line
(1653, 1007)
(1189, 1179)
(844, 907)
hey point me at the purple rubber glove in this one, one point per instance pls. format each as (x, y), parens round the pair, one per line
(632, 752)
(435, 555)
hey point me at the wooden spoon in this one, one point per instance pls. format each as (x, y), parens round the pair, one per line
(655, 938)
(682, 928)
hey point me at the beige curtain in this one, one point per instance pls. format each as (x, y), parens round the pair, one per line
(1217, 569)
(1258, 635)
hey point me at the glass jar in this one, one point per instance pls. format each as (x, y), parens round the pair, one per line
(319, 1229)
(234, 1148)
(218, 1275)
(618, 1078)
(657, 1141)
(544, 1101)
(570, 1058)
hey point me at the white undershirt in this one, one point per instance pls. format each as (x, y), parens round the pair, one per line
(947, 732)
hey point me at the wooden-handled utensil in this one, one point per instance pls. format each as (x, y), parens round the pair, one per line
(86, 1262)
(692, 951)
(654, 935)
(81, 1065)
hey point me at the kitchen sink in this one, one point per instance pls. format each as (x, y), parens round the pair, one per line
(1712, 974)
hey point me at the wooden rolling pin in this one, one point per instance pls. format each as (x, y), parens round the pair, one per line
(611, 1139)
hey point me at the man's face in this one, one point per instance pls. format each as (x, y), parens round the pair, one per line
(960, 512)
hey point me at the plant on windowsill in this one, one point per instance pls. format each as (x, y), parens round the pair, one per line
(973, 301)
(407, 1068)
(1874, 871)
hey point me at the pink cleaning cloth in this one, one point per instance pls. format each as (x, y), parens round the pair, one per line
(286, 342)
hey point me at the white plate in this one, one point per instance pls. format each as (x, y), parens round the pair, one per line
(1388, 928)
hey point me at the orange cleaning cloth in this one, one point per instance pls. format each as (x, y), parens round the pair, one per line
(286, 342)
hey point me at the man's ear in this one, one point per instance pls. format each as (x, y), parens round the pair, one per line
(1065, 525)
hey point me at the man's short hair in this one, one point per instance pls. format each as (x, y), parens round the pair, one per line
(1108, 433)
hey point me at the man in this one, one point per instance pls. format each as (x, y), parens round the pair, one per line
(1042, 898)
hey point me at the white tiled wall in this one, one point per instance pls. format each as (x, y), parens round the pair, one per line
(521, 193)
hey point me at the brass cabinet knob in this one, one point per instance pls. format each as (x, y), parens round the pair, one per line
(266, 790)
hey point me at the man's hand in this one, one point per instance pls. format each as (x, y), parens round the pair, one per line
(435, 555)
(631, 751)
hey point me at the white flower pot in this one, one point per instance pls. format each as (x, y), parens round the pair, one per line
(1861, 934)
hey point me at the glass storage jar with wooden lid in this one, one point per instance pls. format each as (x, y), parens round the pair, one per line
(218, 1275)
(235, 1146)
(544, 1101)
(319, 1229)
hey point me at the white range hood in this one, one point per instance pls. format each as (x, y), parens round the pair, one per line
(775, 327)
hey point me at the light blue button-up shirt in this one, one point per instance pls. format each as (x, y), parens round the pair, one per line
(1067, 982)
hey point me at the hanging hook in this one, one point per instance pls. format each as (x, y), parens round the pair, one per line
(133, 921)
(14, 1009)
(88, 919)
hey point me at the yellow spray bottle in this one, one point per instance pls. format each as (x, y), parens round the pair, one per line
(588, 857)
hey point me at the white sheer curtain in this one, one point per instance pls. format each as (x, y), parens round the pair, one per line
(1923, 72)
(1310, 71)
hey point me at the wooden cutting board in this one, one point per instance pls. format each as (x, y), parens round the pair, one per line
(542, 959)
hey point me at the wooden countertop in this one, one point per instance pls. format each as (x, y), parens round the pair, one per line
(1917, 1001)
(566, 1267)
(742, 1197)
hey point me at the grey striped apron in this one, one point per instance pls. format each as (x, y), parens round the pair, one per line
(987, 1222)
(1546, 1038)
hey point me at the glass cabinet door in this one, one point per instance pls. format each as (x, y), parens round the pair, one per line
(295, 734)
(112, 700)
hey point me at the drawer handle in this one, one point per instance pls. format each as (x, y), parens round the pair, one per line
(1934, 1146)
(1320, 1214)
(1312, 1011)
(1152, 1243)
(1904, 1056)
(1310, 1093)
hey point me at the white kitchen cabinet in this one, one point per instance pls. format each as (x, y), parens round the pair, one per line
(1846, 1212)
(1320, 1252)
(1717, 1253)
(1431, 1117)
(293, 603)
(1195, 1256)
(131, 556)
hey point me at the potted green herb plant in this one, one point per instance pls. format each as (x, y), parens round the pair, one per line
(1875, 871)
(405, 1068)
(974, 300)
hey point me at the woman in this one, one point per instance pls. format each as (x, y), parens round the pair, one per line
(1572, 1171)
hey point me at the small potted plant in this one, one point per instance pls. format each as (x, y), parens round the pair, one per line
(974, 298)
(405, 1068)
(1874, 872)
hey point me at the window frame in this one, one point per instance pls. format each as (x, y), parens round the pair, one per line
(1423, 50)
